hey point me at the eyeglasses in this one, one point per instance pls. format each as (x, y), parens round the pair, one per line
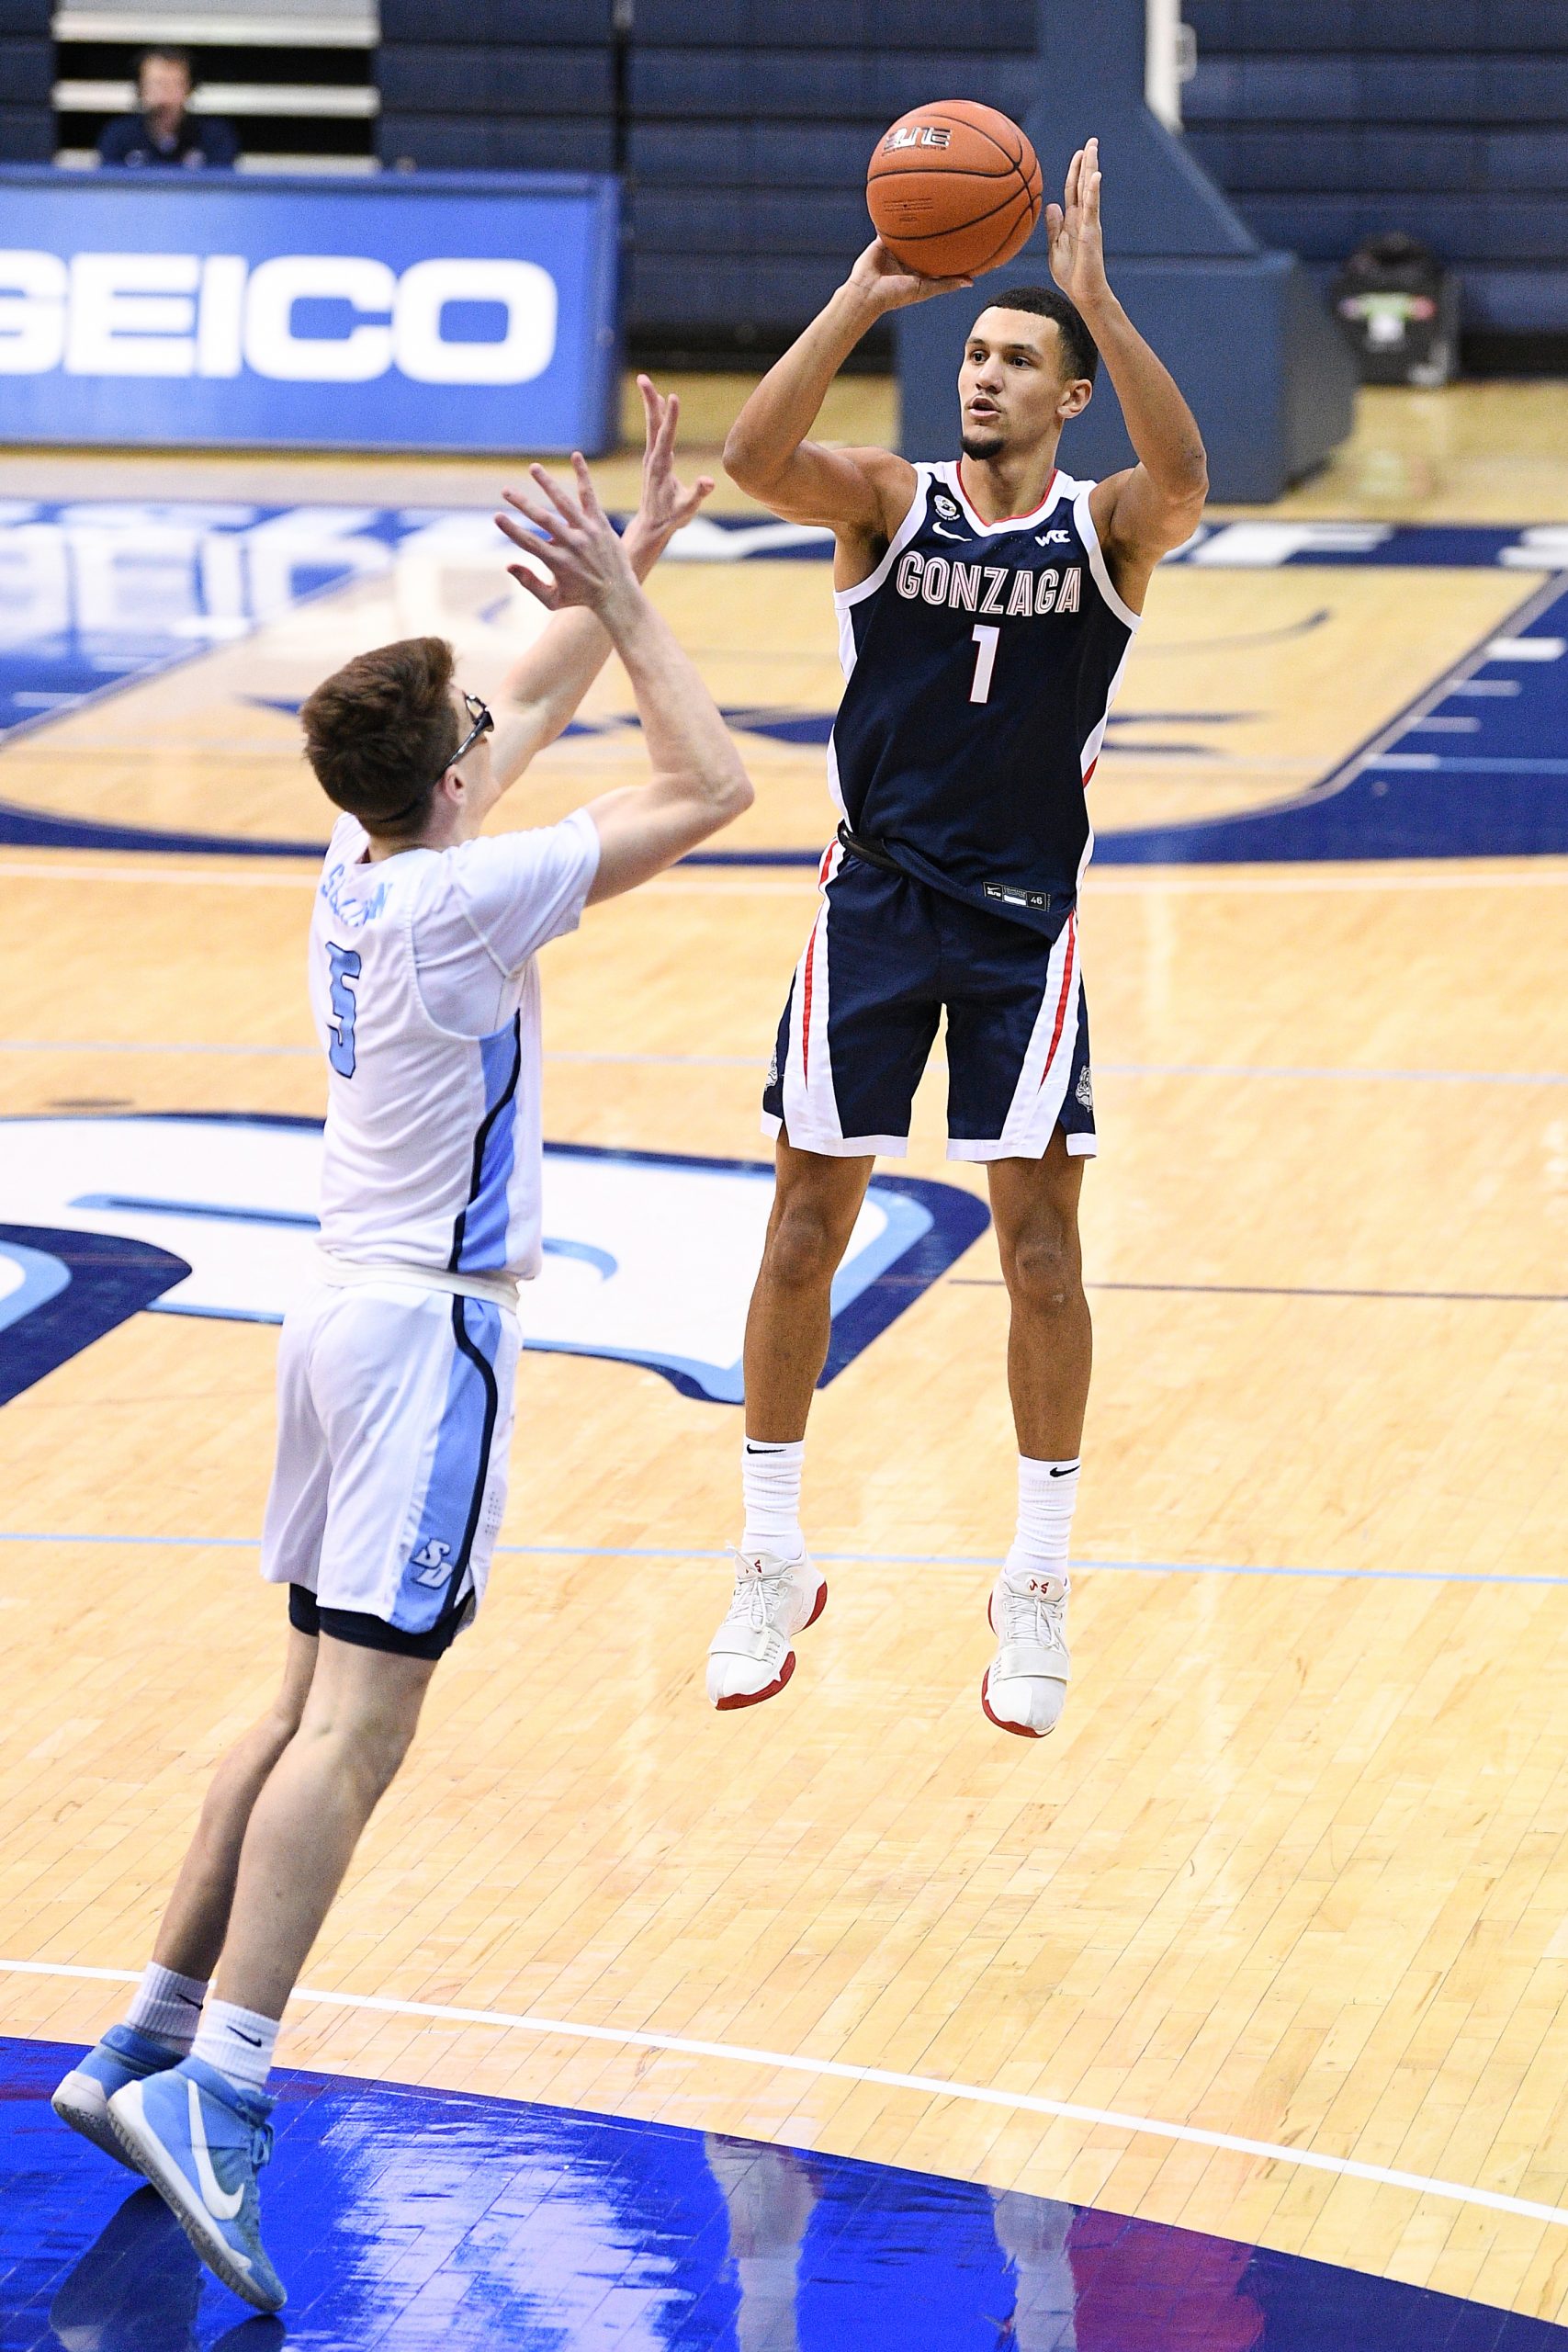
(484, 720)
(484, 723)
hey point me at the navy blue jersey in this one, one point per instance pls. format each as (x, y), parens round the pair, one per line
(980, 660)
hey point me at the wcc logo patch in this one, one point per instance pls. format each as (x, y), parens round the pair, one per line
(649, 1257)
(945, 506)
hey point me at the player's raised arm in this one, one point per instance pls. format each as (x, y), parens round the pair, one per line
(698, 783)
(543, 688)
(858, 493)
(1142, 513)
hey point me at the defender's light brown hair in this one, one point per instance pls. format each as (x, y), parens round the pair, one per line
(379, 732)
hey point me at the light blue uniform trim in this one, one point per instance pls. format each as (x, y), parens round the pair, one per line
(489, 1212)
(435, 1567)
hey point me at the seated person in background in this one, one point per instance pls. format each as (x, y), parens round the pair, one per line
(165, 132)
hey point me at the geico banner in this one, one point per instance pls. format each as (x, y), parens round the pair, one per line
(441, 311)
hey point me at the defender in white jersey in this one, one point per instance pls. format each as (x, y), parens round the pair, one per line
(395, 1374)
(985, 609)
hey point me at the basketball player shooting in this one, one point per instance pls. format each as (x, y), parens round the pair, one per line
(395, 1368)
(986, 610)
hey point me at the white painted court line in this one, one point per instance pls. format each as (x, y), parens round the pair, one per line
(70, 865)
(1346, 1074)
(840, 2069)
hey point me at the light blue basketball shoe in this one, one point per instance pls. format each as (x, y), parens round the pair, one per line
(83, 2099)
(201, 2141)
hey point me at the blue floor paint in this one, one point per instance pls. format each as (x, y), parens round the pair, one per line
(414, 2221)
(1501, 797)
(148, 587)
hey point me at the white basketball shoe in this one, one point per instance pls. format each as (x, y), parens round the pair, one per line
(1025, 1686)
(751, 1656)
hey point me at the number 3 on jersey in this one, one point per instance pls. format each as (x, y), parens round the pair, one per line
(985, 661)
(344, 962)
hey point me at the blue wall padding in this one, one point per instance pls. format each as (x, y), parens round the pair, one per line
(468, 142)
(26, 71)
(1343, 161)
(827, 221)
(1515, 230)
(800, 85)
(499, 23)
(1417, 25)
(780, 155)
(449, 80)
(27, 81)
(837, 24)
(1396, 89)
(27, 134)
(730, 289)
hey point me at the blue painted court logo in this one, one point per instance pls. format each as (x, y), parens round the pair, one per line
(648, 1256)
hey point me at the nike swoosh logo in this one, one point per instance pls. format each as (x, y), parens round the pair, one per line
(194, 2005)
(1056, 1473)
(254, 2038)
(750, 1449)
(943, 533)
(221, 2204)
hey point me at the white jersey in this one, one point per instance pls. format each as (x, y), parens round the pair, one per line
(426, 1000)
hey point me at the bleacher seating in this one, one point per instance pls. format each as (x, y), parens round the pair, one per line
(523, 89)
(1451, 122)
(751, 127)
(27, 79)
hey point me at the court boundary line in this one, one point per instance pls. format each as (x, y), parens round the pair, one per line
(992, 1560)
(1259, 877)
(883, 2077)
(1345, 1073)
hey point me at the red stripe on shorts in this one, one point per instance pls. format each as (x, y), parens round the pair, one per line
(805, 1003)
(1061, 1002)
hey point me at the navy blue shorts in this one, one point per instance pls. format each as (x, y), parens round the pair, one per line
(886, 959)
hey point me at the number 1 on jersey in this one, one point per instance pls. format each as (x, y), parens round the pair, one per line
(985, 661)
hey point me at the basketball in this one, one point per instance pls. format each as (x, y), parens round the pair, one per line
(954, 189)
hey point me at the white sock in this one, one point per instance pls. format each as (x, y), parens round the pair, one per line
(770, 1480)
(1046, 1493)
(766, 2320)
(239, 2043)
(166, 2007)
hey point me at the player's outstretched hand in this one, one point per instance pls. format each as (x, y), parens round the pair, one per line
(583, 561)
(1072, 228)
(878, 278)
(668, 504)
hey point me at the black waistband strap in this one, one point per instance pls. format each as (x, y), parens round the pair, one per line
(873, 852)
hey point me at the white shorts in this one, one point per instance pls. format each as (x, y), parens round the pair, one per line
(394, 1420)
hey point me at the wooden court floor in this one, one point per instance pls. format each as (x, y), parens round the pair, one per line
(1295, 1874)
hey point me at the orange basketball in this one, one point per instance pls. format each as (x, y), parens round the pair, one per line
(953, 188)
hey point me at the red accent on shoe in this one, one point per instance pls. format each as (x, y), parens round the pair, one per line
(1020, 1731)
(821, 1604)
(755, 1698)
